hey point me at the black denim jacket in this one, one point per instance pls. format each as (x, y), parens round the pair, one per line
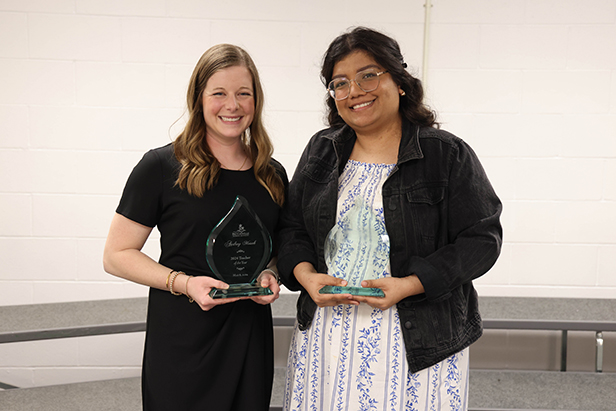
(442, 217)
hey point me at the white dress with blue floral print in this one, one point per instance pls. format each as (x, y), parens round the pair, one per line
(352, 357)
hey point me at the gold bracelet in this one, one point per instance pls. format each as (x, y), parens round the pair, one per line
(190, 299)
(175, 274)
(167, 283)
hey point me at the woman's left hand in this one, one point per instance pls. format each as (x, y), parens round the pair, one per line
(267, 280)
(395, 289)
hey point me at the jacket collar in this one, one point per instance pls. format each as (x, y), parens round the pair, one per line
(410, 149)
(409, 144)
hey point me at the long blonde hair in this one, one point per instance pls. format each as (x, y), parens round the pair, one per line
(200, 168)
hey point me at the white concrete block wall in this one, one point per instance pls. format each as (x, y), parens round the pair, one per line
(530, 85)
(87, 86)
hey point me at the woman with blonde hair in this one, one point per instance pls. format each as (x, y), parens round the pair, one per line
(202, 353)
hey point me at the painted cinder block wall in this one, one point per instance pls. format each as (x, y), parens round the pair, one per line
(87, 86)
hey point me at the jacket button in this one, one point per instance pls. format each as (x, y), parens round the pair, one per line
(392, 205)
(408, 325)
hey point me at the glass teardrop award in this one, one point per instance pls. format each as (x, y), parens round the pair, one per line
(357, 249)
(237, 250)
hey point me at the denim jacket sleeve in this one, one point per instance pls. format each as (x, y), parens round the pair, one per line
(469, 236)
(297, 244)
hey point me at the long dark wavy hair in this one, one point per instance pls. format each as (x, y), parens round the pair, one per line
(386, 52)
(200, 168)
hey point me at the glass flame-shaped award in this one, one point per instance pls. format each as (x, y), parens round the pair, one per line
(237, 250)
(357, 249)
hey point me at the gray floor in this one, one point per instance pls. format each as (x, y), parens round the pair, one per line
(489, 390)
(542, 390)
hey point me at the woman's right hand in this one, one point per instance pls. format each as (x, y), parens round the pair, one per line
(123, 257)
(312, 282)
(198, 288)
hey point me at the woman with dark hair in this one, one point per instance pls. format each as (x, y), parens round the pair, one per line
(385, 50)
(213, 354)
(387, 177)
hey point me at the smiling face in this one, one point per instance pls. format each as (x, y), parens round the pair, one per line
(228, 104)
(368, 112)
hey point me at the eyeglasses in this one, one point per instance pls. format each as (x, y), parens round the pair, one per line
(367, 80)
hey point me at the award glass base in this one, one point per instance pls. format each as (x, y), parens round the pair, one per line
(364, 292)
(240, 290)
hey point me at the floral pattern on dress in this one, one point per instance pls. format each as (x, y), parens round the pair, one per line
(353, 357)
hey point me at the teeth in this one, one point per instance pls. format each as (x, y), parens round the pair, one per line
(362, 105)
(230, 118)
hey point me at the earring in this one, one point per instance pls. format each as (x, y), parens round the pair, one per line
(403, 93)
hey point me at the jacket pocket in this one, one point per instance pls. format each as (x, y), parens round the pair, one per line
(317, 170)
(427, 206)
(428, 195)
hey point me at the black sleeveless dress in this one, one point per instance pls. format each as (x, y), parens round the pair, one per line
(220, 359)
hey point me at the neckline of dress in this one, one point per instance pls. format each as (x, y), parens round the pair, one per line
(383, 165)
(237, 171)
